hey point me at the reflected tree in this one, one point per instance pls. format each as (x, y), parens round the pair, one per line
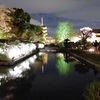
(81, 68)
(14, 88)
(63, 67)
(40, 61)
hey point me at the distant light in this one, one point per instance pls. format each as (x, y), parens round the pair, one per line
(93, 38)
(91, 50)
(40, 45)
(75, 39)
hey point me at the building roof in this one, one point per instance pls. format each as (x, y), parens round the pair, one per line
(96, 30)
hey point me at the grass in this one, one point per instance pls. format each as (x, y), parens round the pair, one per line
(92, 91)
(87, 55)
(4, 58)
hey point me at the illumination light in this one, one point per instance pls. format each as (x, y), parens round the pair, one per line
(16, 51)
(91, 50)
(75, 39)
(93, 38)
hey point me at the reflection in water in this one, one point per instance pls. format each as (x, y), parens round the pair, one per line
(18, 80)
(66, 57)
(24, 77)
(82, 68)
(63, 66)
(17, 71)
(42, 59)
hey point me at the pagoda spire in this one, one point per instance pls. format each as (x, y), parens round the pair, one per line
(42, 21)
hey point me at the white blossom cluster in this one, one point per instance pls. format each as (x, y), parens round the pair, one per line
(86, 30)
(16, 51)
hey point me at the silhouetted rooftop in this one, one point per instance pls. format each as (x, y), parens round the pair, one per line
(96, 30)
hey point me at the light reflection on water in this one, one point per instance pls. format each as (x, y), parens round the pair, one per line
(47, 76)
(63, 67)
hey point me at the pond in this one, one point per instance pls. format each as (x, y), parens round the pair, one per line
(46, 76)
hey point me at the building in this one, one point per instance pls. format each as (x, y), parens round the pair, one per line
(97, 34)
(44, 28)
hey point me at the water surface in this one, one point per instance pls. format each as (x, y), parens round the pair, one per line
(48, 76)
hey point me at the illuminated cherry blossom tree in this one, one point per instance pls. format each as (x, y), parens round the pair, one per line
(86, 32)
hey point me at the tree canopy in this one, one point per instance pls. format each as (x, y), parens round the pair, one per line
(21, 19)
(15, 24)
(64, 31)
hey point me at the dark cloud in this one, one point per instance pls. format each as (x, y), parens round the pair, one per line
(46, 6)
